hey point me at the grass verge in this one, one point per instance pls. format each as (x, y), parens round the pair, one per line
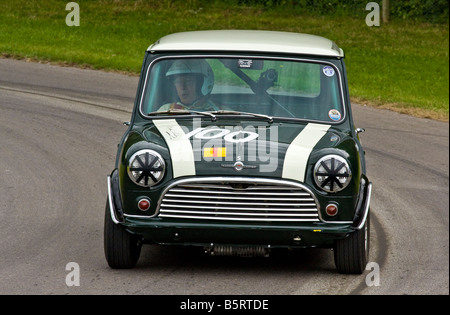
(403, 65)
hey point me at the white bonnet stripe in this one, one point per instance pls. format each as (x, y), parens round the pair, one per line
(298, 152)
(180, 147)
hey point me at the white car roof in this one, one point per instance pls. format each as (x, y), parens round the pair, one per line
(248, 41)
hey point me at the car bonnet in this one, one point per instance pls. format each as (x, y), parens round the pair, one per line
(241, 148)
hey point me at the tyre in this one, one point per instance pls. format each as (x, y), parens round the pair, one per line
(122, 249)
(351, 254)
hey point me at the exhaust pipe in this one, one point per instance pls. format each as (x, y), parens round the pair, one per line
(240, 251)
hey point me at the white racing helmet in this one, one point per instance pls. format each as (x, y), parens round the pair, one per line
(194, 66)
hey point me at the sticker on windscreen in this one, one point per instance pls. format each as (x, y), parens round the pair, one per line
(334, 115)
(245, 63)
(253, 64)
(328, 71)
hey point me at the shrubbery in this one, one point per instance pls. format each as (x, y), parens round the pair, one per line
(435, 11)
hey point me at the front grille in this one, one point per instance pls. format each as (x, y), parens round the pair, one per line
(259, 200)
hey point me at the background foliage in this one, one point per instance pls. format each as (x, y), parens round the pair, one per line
(402, 65)
(426, 10)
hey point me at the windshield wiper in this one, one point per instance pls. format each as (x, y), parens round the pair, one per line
(231, 112)
(182, 112)
(210, 114)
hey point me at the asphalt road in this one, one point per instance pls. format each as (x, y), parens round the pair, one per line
(59, 129)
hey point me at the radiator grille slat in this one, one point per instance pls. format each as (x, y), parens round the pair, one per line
(237, 201)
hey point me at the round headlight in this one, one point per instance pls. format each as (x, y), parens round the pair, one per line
(146, 168)
(332, 173)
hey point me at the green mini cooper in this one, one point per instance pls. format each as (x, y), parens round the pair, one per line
(240, 142)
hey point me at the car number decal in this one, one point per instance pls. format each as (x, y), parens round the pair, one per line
(297, 154)
(180, 148)
(226, 134)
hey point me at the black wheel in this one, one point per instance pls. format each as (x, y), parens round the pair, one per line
(351, 254)
(122, 249)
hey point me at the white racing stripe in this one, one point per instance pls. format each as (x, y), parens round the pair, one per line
(180, 147)
(297, 154)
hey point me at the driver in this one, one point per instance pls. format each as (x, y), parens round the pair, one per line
(193, 80)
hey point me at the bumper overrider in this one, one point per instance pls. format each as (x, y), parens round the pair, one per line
(237, 211)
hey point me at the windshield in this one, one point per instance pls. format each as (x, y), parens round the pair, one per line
(284, 88)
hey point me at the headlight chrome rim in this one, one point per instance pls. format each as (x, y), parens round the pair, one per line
(332, 173)
(146, 168)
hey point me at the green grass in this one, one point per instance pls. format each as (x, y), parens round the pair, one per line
(403, 65)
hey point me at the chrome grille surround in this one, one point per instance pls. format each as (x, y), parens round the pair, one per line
(239, 199)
